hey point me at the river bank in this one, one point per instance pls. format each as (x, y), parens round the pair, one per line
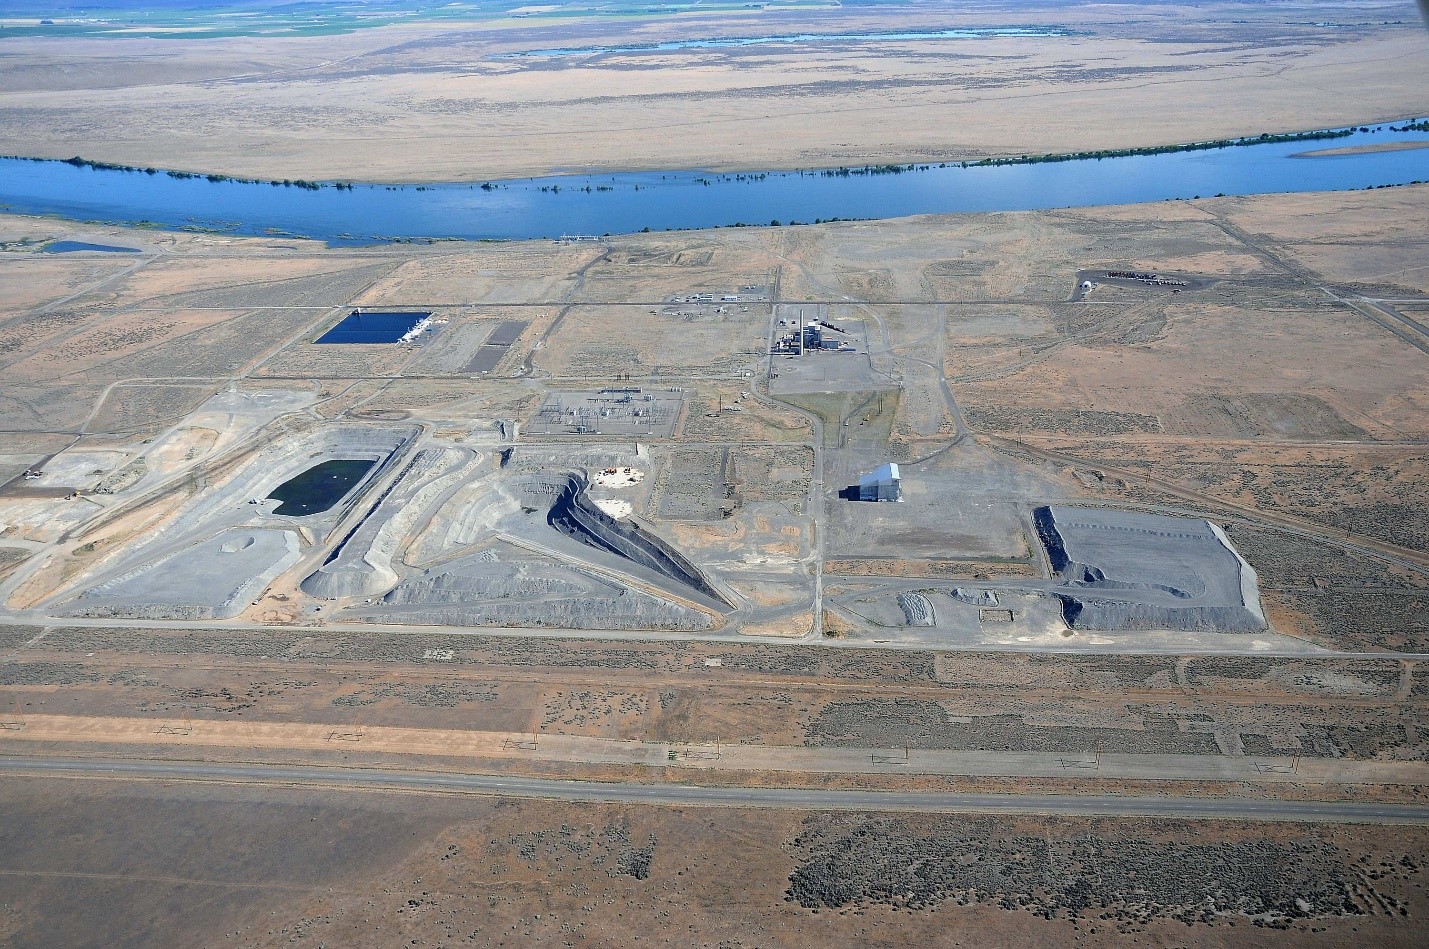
(344, 213)
(420, 103)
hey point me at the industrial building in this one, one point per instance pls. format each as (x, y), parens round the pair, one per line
(813, 337)
(881, 484)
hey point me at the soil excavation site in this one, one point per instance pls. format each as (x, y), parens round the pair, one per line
(682, 436)
(1047, 579)
(940, 506)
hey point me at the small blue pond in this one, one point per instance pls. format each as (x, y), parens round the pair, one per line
(70, 247)
(320, 487)
(372, 327)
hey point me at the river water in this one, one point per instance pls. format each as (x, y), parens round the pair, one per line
(622, 203)
(729, 42)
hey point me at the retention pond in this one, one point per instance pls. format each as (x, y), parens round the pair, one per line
(320, 487)
(373, 327)
(76, 247)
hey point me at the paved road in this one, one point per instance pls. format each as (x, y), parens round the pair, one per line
(43, 623)
(1406, 328)
(682, 794)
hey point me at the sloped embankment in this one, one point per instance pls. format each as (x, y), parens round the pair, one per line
(574, 514)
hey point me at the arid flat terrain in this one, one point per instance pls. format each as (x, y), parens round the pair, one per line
(455, 101)
(600, 529)
(268, 867)
(1274, 381)
(1053, 578)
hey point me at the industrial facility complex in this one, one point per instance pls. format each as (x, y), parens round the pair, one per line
(676, 511)
(514, 518)
(814, 336)
(433, 515)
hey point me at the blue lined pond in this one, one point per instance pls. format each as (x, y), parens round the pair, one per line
(622, 203)
(77, 247)
(373, 327)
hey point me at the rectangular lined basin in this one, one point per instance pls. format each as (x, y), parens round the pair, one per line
(373, 327)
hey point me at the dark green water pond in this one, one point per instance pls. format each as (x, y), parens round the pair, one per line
(74, 247)
(320, 487)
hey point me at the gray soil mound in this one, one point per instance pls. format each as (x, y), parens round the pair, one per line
(484, 590)
(917, 610)
(211, 579)
(360, 563)
(1129, 570)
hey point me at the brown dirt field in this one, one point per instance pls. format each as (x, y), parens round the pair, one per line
(662, 268)
(1374, 380)
(32, 281)
(1230, 392)
(1358, 216)
(769, 593)
(171, 315)
(612, 877)
(331, 107)
(524, 272)
(1365, 488)
(104, 340)
(171, 276)
(757, 421)
(595, 341)
(104, 683)
(253, 866)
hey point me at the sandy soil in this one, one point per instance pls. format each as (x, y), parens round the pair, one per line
(1268, 396)
(460, 699)
(1262, 396)
(250, 866)
(337, 107)
(1363, 149)
(167, 863)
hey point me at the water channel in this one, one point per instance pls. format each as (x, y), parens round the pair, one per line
(626, 202)
(733, 42)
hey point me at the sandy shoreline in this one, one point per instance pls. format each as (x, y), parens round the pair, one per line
(1361, 149)
(918, 165)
